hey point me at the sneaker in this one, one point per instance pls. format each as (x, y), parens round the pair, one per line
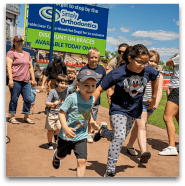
(109, 174)
(50, 146)
(169, 151)
(177, 147)
(56, 162)
(145, 157)
(97, 136)
(90, 138)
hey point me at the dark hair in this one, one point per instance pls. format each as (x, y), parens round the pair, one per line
(135, 51)
(123, 45)
(124, 57)
(62, 77)
(13, 47)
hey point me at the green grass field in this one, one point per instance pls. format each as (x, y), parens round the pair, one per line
(156, 118)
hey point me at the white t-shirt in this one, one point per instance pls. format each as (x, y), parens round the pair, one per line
(174, 82)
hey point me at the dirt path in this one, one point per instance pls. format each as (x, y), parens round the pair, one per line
(27, 156)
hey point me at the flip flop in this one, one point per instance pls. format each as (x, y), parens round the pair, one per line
(132, 151)
(145, 157)
(30, 121)
(13, 121)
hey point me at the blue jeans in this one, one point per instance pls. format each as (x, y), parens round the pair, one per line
(149, 111)
(23, 88)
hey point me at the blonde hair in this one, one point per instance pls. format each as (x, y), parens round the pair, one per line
(154, 53)
(94, 50)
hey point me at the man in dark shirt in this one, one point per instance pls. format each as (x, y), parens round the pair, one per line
(54, 68)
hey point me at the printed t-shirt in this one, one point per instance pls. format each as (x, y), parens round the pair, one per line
(129, 89)
(77, 112)
(53, 96)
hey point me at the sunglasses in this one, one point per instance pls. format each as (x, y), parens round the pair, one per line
(119, 51)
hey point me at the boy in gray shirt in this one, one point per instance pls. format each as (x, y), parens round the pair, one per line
(54, 100)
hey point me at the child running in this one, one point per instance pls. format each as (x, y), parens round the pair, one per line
(139, 128)
(130, 81)
(54, 100)
(73, 116)
(93, 58)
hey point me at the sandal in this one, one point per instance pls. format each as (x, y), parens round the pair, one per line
(145, 157)
(132, 151)
(13, 121)
(28, 120)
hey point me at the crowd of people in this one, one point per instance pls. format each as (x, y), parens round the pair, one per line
(134, 89)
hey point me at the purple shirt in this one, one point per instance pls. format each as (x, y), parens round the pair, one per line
(20, 65)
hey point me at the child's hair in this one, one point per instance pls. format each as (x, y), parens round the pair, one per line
(71, 68)
(154, 53)
(134, 51)
(93, 50)
(62, 77)
(37, 65)
(123, 45)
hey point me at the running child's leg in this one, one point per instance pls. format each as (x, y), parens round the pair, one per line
(81, 166)
(122, 126)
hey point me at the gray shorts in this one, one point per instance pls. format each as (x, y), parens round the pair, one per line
(94, 112)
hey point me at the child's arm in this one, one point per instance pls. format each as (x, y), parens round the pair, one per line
(159, 92)
(152, 101)
(97, 93)
(68, 130)
(52, 104)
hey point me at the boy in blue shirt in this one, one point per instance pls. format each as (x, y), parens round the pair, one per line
(93, 58)
(74, 114)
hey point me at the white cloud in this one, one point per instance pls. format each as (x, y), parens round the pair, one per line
(177, 23)
(111, 29)
(159, 35)
(123, 29)
(20, 31)
(117, 41)
(132, 6)
(165, 52)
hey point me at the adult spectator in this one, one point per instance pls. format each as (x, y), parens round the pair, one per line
(19, 66)
(112, 65)
(54, 68)
(172, 107)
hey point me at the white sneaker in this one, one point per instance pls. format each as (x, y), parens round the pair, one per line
(50, 147)
(169, 152)
(177, 147)
(90, 138)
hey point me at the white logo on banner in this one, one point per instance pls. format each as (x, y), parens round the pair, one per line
(66, 18)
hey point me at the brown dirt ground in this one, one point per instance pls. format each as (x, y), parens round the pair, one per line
(27, 156)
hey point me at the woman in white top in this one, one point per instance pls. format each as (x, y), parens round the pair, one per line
(172, 107)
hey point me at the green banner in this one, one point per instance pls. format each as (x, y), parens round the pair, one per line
(65, 42)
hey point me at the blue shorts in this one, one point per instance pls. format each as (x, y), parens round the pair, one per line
(149, 111)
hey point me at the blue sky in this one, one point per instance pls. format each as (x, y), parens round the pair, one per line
(154, 25)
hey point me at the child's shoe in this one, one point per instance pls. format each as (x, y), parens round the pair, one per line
(98, 136)
(169, 151)
(50, 146)
(56, 162)
(109, 174)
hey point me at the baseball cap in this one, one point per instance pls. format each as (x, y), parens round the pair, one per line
(17, 38)
(57, 58)
(86, 74)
